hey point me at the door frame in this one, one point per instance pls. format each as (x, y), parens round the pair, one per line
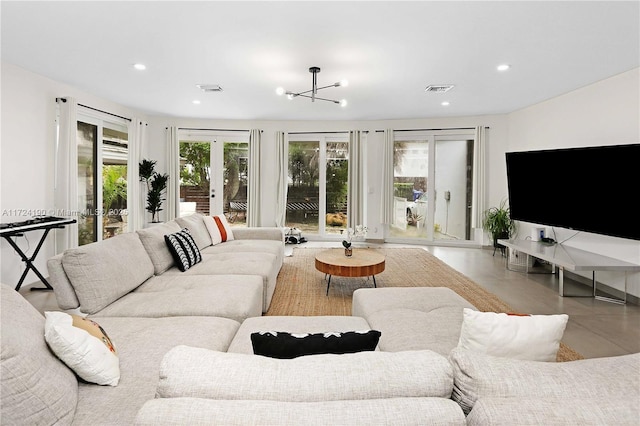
(216, 160)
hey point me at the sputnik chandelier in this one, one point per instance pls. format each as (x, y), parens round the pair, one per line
(312, 94)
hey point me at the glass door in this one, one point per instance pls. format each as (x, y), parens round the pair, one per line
(103, 152)
(318, 184)
(221, 188)
(432, 187)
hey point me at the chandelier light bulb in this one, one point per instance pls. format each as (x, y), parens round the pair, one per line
(289, 96)
(280, 91)
(343, 103)
(344, 83)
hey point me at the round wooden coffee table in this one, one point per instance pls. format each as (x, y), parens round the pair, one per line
(363, 263)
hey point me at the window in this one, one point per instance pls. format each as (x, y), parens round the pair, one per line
(318, 183)
(102, 157)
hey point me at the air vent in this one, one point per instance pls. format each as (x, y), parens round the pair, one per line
(439, 88)
(207, 88)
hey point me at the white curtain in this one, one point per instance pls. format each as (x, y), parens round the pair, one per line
(135, 200)
(173, 167)
(479, 179)
(66, 172)
(253, 195)
(282, 164)
(356, 176)
(386, 208)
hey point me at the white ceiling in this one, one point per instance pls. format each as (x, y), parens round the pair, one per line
(389, 51)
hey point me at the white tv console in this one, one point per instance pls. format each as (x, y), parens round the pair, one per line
(572, 259)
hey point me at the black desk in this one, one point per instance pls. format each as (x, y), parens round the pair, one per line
(8, 230)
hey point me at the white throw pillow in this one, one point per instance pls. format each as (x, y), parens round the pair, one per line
(83, 346)
(529, 337)
(218, 228)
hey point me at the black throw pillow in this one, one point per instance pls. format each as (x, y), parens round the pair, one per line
(283, 345)
(183, 248)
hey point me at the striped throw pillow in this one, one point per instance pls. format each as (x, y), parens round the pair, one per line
(183, 248)
(218, 228)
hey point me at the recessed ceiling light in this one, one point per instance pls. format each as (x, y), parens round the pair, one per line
(195, 102)
(140, 67)
(445, 103)
(503, 67)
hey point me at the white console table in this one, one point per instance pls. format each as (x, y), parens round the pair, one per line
(572, 259)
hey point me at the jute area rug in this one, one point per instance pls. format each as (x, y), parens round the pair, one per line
(301, 289)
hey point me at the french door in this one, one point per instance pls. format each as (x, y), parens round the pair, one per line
(214, 175)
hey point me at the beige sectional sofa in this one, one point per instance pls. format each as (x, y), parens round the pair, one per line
(186, 357)
(133, 274)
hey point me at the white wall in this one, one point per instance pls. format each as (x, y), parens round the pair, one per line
(604, 113)
(28, 138)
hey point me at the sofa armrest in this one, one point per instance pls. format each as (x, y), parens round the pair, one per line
(478, 376)
(362, 375)
(197, 411)
(262, 233)
(569, 410)
(62, 288)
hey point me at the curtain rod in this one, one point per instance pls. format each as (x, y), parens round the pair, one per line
(216, 130)
(96, 109)
(423, 130)
(316, 133)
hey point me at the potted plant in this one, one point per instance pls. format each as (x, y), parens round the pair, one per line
(156, 183)
(359, 231)
(497, 221)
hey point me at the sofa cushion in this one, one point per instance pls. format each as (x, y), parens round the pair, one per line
(83, 346)
(31, 376)
(153, 241)
(195, 224)
(363, 375)
(366, 301)
(285, 345)
(103, 272)
(570, 410)
(237, 263)
(294, 324)
(532, 337)
(396, 411)
(183, 248)
(409, 330)
(247, 247)
(142, 342)
(229, 296)
(479, 376)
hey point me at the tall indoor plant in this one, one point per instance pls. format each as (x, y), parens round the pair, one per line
(156, 183)
(497, 222)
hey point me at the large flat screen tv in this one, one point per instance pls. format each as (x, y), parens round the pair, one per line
(593, 189)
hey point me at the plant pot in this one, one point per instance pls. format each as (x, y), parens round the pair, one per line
(348, 251)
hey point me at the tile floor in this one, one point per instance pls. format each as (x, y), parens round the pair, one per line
(596, 328)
